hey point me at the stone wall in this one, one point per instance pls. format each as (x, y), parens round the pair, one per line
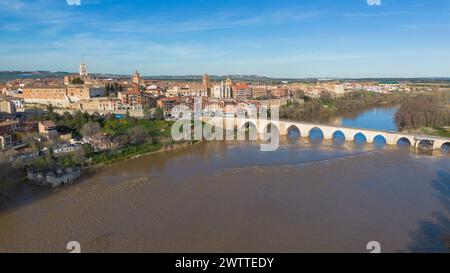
(133, 113)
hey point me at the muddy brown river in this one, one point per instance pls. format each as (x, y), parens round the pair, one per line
(231, 197)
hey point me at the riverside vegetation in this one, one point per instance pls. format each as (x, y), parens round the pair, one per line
(110, 140)
(327, 105)
(425, 113)
(418, 113)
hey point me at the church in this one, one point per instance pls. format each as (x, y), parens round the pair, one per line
(224, 90)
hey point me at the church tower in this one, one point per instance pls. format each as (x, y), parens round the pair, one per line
(83, 70)
(206, 84)
(228, 88)
(136, 79)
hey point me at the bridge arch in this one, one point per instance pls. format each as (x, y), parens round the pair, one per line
(425, 144)
(338, 137)
(248, 131)
(328, 131)
(445, 147)
(404, 141)
(293, 131)
(316, 135)
(212, 131)
(379, 141)
(360, 138)
(268, 129)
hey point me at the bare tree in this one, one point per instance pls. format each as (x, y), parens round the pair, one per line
(428, 110)
(34, 141)
(8, 173)
(79, 156)
(90, 129)
(137, 135)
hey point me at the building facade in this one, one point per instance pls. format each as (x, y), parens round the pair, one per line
(61, 96)
(131, 99)
(8, 107)
(136, 78)
(8, 130)
(224, 90)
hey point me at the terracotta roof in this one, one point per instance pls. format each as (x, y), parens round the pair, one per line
(48, 123)
(133, 91)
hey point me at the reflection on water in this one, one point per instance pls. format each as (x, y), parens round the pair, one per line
(377, 118)
(436, 230)
(382, 118)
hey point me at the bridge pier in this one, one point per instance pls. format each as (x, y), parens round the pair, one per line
(349, 137)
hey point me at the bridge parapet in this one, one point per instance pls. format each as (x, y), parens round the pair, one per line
(329, 130)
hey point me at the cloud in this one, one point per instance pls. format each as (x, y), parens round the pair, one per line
(425, 26)
(221, 20)
(12, 5)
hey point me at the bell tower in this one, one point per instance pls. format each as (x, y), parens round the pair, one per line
(83, 70)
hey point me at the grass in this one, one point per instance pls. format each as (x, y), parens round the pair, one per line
(108, 157)
(442, 132)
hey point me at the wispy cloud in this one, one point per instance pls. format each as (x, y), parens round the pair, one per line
(373, 14)
(52, 18)
(425, 26)
(12, 5)
(222, 20)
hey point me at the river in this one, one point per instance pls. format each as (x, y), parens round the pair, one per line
(308, 196)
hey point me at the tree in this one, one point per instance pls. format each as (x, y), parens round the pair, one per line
(79, 156)
(326, 97)
(51, 113)
(428, 110)
(5, 177)
(90, 129)
(137, 135)
(87, 149)
(79, 120)
(159, 113)
(10, 171)
(77, 80)
(301, 94)
(34, 141)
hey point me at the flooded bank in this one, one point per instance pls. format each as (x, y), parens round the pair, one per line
(233, 197)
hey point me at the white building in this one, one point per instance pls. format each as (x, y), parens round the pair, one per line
(83, 70)
(19, 103)
(339, 89)
(222, 91)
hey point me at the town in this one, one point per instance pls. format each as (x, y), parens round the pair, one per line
(183, 128)
(38, 115)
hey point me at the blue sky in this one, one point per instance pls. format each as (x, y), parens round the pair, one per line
(280, 38)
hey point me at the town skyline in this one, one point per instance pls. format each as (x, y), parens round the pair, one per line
(50, 74)
(299, 39)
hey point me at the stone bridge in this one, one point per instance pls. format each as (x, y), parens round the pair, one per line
(329, 131)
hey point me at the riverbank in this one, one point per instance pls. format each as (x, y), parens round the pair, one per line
(442, 132)
(153, 149)
(6, 189)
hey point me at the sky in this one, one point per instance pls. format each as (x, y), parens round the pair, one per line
(278, 38)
